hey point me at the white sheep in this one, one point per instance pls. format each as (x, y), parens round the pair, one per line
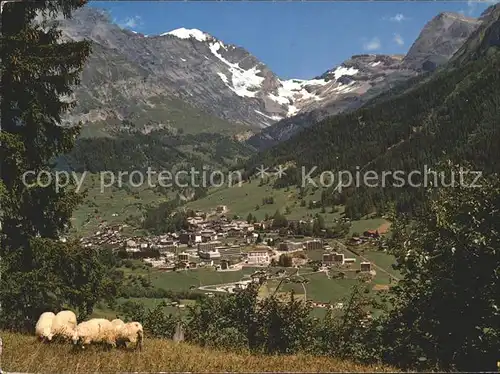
(131, 332)
(64, 324)
(43, 328)
(118, 324)
(96, 330)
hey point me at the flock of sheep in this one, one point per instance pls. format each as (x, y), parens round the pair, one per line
(97, 330)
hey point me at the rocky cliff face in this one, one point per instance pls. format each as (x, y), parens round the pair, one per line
(129, 73)
(439, 40)
(486, 36)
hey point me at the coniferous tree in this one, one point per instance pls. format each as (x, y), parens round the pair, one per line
(39, 70)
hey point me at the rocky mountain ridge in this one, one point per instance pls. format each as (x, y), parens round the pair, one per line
(136, 77)
(129, 72)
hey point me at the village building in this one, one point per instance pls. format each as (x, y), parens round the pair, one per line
(189, 238)
(366, 266)
(166, 248)
(327, 258)
(131, 246)
(210, 246)
(338, 258)
(221, 209)
(259, 226)
(290, 246)
(313, 244)
(235, 232)
(166, 241)
(183, 257)
(371, 234)
(355, 240)
(209, 255)
(349, 261)
(258, 258)
(208, 235)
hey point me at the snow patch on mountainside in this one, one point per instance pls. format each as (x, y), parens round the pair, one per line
(292, 90)
(274, 118)
(244, 83)
(342, 70)
(293, 95)
(183, 33)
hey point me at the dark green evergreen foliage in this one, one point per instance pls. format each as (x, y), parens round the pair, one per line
(125, 153)
(63, 276)
(279, 220)
(159, 150)
(291, 177)
(166, 218)
(285, 261)
(38, 271)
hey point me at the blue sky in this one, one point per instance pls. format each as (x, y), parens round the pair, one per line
(295, 39)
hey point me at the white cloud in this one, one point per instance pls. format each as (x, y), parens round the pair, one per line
(398, 18)
(472, 4)
(372, 44)
(130, 22)
(398, 39)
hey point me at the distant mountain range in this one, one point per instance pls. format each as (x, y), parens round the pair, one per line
(153, 80)
(439, 40)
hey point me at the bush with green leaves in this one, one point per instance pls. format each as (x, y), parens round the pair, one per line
(446, 308)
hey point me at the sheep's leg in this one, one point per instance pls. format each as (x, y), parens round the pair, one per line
(111, 343)
(120, 343)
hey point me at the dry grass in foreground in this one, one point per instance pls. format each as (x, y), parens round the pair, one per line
(24, 354)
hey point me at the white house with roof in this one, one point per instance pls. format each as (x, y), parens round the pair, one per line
(258, 258)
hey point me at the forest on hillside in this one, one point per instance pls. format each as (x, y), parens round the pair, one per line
(159, 149)
(453, 116)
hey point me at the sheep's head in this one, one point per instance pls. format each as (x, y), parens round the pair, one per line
(138, 326)
(75, 338)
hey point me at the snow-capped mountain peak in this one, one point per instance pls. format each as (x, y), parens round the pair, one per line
(183, 33)
(224, 80)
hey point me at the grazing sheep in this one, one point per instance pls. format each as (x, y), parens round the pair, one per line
(64, 324)
(43, 328)
(131, 332)
(118, 324)
(96, 330)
